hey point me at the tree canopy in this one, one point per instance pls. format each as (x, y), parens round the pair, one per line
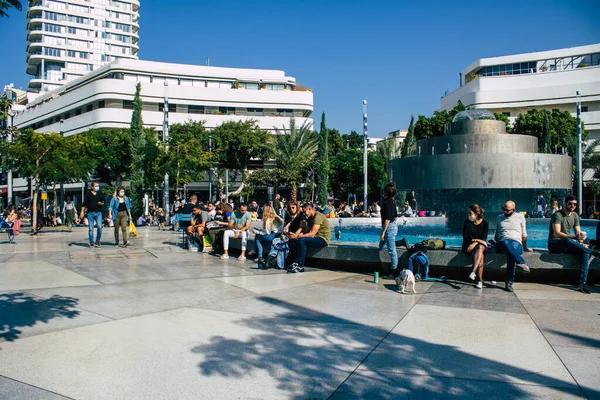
(7, 4)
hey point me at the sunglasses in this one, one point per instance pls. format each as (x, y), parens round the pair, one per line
(572, 203)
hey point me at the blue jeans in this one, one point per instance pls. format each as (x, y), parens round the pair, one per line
(513, 250)
(572, 246)
(390, 242)
(298, 247)
(260, 240)
(94, 217)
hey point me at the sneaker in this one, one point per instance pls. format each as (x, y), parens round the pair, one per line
(296, 269)
(583, 288)
(479, 285)
(260, 260)
(472, 276)
(509, 287)
(97, 244)
(224, 257)
(126, 244)
(91, 245)
(291, 266)
(242, 258)
(117, 244)
(523, 268)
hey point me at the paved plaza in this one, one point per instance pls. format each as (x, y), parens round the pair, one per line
(153, 321)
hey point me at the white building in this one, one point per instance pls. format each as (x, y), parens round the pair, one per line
(104, 99)
(514, 84)
(68, 38)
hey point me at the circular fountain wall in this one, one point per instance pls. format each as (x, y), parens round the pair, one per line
(477, 162)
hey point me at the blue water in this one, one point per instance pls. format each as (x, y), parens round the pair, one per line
(537, 234)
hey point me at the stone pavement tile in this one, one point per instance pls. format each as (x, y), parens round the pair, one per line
(567, 322)
(463, 295)
(23, 314)
(383, 385)
(111, 272)
(530, 291)
(470, 344)
(139, 298)
(196, 268)
(38, 274)
(271, 282)
(195, 354)
(5, 257)
(325, 303)
(365, 282)
(584, 364)
(15, 390)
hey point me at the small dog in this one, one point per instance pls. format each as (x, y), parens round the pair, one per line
(404, 278)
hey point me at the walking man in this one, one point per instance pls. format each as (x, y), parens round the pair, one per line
(511, 239)
(560, 239)
(94, 201)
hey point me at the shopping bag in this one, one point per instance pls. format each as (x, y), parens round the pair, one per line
(132, 231)
(207, 244)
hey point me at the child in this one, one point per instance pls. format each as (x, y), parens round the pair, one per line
(161, 220)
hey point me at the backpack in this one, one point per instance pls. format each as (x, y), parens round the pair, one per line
(434, 244)
(278, 254)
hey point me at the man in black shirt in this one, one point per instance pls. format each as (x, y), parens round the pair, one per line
(93, 203)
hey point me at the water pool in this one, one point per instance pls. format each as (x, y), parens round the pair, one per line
(537, 233)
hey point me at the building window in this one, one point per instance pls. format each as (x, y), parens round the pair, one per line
(172, 107)
(128, 104)
(192, 109)
(72, 31)
(257, 112)
(507, 113)
(227, 110)
(49, 51)
(52, 28)
(249, 86)
(83, 55)
(584, 109)
(285, 112)
(71, 53)
(78, 111)
(89, 108)
(101, 104)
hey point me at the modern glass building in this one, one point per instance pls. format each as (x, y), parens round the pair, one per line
(68, 38)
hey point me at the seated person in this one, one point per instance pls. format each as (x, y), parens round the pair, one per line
(327, 209)
(475, 231)
(408, 211)
(317, 235)
(344, 210)
(212, 211)
(375, 210)
(271, 224)
(196, 228)
(239, 224)
(560, 239)
(295, 220)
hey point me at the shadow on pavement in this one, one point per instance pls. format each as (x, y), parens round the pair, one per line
(19, 310)
(286, 349)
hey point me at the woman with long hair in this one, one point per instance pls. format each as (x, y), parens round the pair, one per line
(475, 231)
(69, 211)
(271, 224)
(120, 214)
(389, 229)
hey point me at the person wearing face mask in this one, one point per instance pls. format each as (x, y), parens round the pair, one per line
(120, 213)
(475, 231)
(511, 238)
(94, 201)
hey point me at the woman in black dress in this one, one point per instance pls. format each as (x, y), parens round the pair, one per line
(475, 231)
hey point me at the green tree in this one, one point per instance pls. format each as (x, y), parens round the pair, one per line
(409, 141)
(435, 125)
(387, 149)
(48, 158)
(323, 166)
(138, 146)
(335, 143)
(235, 144)
(6, 4)
(112, 147)
(346, 176)
(353, 140)
(187, 157)
(377, 172)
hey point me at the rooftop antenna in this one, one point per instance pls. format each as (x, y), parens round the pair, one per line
(208, 61)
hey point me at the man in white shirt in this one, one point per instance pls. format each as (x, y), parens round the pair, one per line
(511, 239)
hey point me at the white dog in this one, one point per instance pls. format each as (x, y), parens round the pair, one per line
(406, 276)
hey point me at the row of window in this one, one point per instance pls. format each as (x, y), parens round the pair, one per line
(173, 108)
(52, 52)
(52, 16)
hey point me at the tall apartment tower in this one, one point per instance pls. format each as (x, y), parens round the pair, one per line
(68, 38)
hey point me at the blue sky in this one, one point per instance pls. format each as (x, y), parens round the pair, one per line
(399, 55)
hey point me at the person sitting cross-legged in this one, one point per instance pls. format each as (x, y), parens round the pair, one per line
(239, 223)
(317, 235)
(560, 239)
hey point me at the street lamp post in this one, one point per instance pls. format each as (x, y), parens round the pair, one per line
(9, 181)
(210, 169)
(62, 186)
(579, 156)
(165, 139)
(366, 143)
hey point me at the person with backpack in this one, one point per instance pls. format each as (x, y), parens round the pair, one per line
(389, 230)
(474, 232)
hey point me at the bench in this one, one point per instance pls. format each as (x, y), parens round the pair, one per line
(10, 230)
(183, 222)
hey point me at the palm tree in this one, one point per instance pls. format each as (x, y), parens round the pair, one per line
(295, 152)
(389, 149)
(6, 4)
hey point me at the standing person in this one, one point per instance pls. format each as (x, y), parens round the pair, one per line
(231, 203)
(271, 223)
(94, 201)
(317, 236)
(560, 239)
(389, 229)
(239, 224)
(277, 204)
(119, 213)
(475, 231)
(511, 238)
(544, 204)
(69, 211)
